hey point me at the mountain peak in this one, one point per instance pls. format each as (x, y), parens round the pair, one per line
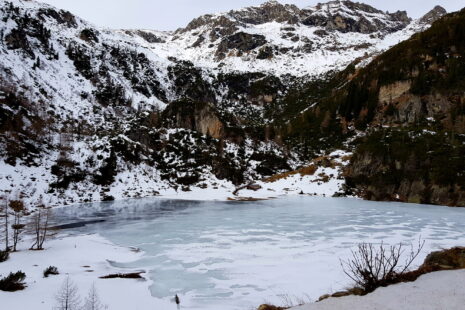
(271, 2)
(433, 15)
(348, 16)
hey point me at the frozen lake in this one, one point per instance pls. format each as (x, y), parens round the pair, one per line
(235, 256)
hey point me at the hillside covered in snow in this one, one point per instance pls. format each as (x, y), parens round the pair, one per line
(90, 114)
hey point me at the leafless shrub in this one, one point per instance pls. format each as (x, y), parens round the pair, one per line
(374, 266)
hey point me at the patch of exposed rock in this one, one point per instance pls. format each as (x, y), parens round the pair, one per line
(198, 116)
(433, 15)
(242, 42)
(347, 16)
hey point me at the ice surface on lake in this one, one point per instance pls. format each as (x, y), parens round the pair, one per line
(230, 255)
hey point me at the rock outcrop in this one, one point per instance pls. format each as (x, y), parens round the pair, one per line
(433, 15)
(347, 16)
(241, 42)
(201, 117)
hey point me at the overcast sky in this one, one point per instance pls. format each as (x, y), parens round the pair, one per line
(172, 14)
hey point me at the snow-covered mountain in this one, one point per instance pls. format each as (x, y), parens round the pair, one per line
(283, 39)
(80, 63)
(88, 114)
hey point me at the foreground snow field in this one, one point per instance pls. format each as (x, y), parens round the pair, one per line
(434, 291)
(84, 258)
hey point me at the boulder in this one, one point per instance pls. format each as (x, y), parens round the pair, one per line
(254, 187)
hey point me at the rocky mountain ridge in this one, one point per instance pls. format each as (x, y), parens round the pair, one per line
(284, 39)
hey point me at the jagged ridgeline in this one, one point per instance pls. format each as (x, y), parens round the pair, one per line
(91, 114)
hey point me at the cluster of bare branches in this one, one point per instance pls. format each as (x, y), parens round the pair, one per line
(17, 206)
(40, 226)
(374, 266)
(13, 223)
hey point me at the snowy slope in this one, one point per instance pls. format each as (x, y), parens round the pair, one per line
(295, 42)
(308, 42)
(57, 76)
(83, 110)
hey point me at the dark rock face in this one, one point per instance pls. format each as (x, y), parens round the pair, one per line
(220, 26)
(241, 41)
(89, 35)
(201, 117)
(189, 83)
(62, 17)
(265, 52)
(17, 39)
(149, 37)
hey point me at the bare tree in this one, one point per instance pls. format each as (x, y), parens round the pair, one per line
(92, 301)
(67, 298)
(40, 222)
(18, 208)
(371, 267)
(4, 214)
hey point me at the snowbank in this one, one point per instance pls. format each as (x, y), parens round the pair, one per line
(438, 290)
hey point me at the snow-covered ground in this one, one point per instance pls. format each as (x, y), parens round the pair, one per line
(435, 291)
(84, 259)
